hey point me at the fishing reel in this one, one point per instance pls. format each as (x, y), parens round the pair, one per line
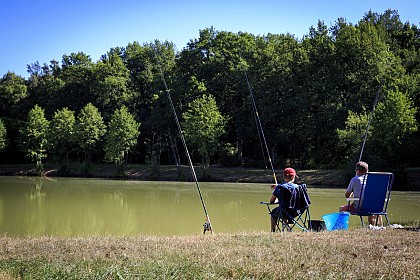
(207, 227)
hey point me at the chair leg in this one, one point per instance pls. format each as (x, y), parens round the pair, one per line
(286, 226)
(307, 219)
(300, 221)
(387, 221)
(275, 224)
(280, 223)
(361, 219)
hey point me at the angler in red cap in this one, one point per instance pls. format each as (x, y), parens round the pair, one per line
(289, 175)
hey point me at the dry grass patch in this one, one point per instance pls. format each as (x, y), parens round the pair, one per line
(353, 254)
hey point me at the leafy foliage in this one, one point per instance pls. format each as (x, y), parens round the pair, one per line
(394, 121)
(34, 136)
(61, 137)
(122, 135)
(13, 92)
(90, 128)
(352, 136)
(3, 135)
(203, 124)
(313, 95)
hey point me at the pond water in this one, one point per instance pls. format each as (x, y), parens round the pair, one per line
(31, 206)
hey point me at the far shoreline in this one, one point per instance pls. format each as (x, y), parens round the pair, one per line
(144, 172)
(331, 178)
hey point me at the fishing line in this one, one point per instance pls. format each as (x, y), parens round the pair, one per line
(207, 224)
(261, 143)
(370, 119)
(259, 127)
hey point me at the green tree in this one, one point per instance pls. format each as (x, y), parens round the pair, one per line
(393, 123)
(151, 102)
(144, 64)
(351, 137)
(3, 135)
(45, 89)
(76, 81)
(121, 137)
(388, 138)
(111, 86)
(273, 64)
(90, 128)
(61, 138)
(213, 62)
(13, 91)
(34, 137)
(203, 124)
(309, 100)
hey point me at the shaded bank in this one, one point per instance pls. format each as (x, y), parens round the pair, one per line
(336, 178)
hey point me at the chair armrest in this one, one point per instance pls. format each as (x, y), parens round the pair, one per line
(352, 199)
(268, 203)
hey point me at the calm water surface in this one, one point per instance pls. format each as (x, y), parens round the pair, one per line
(95, 207)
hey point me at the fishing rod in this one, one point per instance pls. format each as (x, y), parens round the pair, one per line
(370, 119)
(207, 225)
(259, 127)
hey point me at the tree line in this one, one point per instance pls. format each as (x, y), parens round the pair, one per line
(314, 97)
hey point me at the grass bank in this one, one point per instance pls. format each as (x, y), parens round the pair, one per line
(354, 254)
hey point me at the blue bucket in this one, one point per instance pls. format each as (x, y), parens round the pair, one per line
(336, 221)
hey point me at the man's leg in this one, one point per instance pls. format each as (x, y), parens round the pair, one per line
(273, 223)
(375, 220)
(348, 208)
(345, 208)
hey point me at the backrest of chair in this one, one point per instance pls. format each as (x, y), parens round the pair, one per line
(294, 198)
(376, 191)
(286, 195)
(303, 197)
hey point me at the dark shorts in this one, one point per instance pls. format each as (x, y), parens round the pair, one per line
(280, 212)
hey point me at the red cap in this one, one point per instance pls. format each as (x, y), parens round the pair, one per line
(289, 172)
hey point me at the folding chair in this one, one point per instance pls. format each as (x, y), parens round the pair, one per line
(374, 196)
(292, 209)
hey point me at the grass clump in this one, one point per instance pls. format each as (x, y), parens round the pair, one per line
(353, 254)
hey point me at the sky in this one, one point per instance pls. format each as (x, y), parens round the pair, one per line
(45, 30)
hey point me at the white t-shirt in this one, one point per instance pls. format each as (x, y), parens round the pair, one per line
(355, 186)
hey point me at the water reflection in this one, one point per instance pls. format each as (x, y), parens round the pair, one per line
(93, 207)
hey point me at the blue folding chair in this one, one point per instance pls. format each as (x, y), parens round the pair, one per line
(292, 209)
(374, 196)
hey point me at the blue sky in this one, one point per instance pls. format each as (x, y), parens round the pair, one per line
(44, 30)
